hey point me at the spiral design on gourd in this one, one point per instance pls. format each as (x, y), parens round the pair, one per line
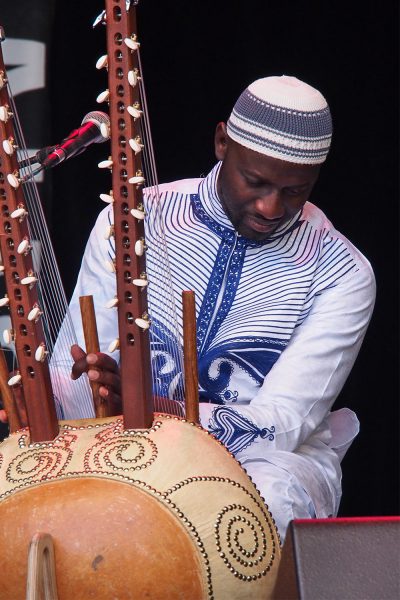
(242, 542)
(36, 465)
(123, 455)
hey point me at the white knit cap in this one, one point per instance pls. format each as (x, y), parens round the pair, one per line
(283, 117)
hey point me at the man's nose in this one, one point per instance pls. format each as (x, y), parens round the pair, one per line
(270, 205)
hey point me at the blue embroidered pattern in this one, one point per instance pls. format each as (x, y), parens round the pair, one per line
(251, 355)
(236, 431)
(234, 269)
(226, 272)
(228, 264)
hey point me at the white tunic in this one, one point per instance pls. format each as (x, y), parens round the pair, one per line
(279, 324)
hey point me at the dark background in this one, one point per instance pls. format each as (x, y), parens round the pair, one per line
(198, 57)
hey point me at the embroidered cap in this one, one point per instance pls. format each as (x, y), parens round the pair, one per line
(283, 117)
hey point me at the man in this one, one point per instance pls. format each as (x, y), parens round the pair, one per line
(283, 299)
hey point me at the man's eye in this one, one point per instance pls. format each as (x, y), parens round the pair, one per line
(252, 182)
(294, 191)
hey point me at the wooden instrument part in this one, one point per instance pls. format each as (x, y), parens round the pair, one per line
(20, 279)
(139, 506)
(190, 357)
(163, 513)
(41, 577)
(10, 407)
(134, 344)
(92, 345)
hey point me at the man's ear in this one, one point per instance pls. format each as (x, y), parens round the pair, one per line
(220, 141)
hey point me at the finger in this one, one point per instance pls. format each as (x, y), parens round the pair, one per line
(3, 416)
(102, 361)
(77, 353)
(80, 365)
(78, 368)
(108, 379)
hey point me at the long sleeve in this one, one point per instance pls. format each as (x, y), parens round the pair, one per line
(302, 386)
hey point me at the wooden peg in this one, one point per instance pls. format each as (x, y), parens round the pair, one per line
(190, 357)
(41, 581)
(92, 345)
(10, 407)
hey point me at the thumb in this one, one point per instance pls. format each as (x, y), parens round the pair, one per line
(77, 353)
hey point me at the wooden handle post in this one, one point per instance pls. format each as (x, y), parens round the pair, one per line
(10, 406)
(92, 345)
(41, 581)
(190, 357)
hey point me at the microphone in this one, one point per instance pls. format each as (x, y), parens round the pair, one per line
(95, 128)
(37, 158)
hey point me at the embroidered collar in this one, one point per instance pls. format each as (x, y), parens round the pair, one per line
(208, 208)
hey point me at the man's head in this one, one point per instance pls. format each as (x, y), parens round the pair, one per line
(272, 147)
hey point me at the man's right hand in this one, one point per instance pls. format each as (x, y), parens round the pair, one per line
(101, 369)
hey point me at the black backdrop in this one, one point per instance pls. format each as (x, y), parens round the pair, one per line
(198, 56)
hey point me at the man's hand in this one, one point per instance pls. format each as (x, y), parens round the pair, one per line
(101, 369)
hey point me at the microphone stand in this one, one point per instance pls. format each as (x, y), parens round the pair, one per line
(39, 157)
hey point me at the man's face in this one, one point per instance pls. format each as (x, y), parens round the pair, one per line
(259, 194)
